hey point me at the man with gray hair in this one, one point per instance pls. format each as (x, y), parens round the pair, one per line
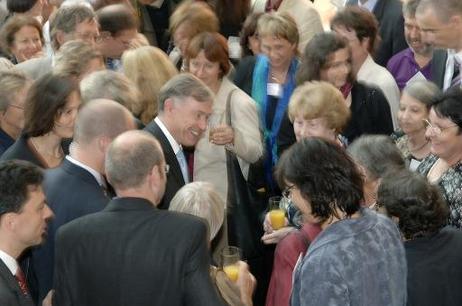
(78, 186)
(185, 104)
(414, 62)
(70, 22)
(116, 86)
(440, 22)
(133, 253)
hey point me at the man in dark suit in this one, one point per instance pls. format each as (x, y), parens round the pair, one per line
(132, 253)
(185, 103)
(78, 187)
(440, 23)
(70, 22)
(391, 27)
(23, 221)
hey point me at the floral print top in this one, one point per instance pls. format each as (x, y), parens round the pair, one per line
(451, 187)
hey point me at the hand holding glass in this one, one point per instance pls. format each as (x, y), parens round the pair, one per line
(276, 213)
(230, 257)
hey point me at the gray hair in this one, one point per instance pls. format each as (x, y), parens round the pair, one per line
(201, 199)
(11, 82)
(444, 9)
(410, 7)
(73, 58)
(182, 86)
(116, 86)
(130, 158)
(66, 19)
(377, 154)
(422, 90)
(101, 118)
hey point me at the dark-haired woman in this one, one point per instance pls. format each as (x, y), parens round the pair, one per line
(433, 251)
(327, 57)
(443, 167)
(51, 109)
(358, 258)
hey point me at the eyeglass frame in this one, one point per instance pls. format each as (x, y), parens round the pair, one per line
(287, 192)
(436, 129)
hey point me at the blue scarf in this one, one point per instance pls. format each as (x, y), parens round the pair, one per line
(259, 94)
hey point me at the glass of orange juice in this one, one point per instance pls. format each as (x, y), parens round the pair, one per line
(230, 257)
(276, 213)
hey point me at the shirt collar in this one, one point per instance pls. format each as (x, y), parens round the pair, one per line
(96, 174)
(9, 261)
(175, 145)
(369, 5)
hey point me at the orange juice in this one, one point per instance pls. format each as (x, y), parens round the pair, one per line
(232, 271)
(277, 217)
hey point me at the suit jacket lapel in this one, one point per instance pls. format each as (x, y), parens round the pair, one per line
(170, 157)
(9, 278)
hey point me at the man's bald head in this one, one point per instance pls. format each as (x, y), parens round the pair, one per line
(131, 157)
(101, 118)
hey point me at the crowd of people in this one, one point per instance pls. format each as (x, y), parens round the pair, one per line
(139, 139)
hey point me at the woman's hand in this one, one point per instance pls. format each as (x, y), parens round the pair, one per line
(277, 235)
(246, 283)
(222, 135)
(273, 236)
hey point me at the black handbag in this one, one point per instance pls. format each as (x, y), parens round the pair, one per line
(244, 226)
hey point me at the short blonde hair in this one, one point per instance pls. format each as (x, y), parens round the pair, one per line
(313, 100)
(200, 199)
(280, 25)
(198, 16)
(11, 82)
(73, 58)
(149, 68)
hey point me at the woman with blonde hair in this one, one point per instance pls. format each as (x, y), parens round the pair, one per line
(189, 19)
(149, 68)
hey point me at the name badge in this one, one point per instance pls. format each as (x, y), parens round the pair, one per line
(274, 89)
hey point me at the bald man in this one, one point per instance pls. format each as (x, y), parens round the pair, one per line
(132, 253)
(78, 186)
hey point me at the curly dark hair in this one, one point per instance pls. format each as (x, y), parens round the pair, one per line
(317, 53)
(415, 202)
(16, 176)
(325, 175)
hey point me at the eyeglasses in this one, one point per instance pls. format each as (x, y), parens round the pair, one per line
(436, 129)
(286, 193)
(17, 106)
(91, 37)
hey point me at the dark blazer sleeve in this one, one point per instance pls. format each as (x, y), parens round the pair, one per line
(438, 68)
(391, 30)
(175, 179)
(199, 289)
(243, 75)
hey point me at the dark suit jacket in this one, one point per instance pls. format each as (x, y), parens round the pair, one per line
(10, 293)
(133, 254)
(71, 192)
(175, 178)
(391, 30)
(439, 67)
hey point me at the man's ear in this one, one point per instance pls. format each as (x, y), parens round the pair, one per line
(103, 143)
(60, 37)
(169, 105)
